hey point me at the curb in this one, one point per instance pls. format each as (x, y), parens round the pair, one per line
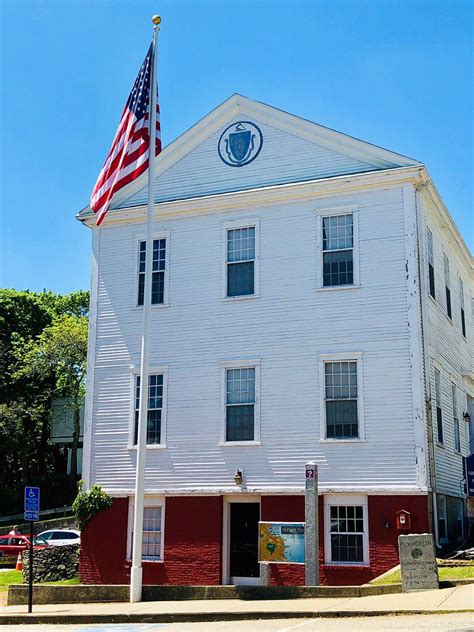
(203, 617)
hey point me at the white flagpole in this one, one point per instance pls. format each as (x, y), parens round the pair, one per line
(136, 570)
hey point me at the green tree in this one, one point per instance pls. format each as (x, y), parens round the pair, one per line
(26, 452)
(60, 350)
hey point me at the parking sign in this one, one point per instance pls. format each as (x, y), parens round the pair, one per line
(32, 503)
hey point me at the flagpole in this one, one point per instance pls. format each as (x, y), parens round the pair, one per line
(136, 574)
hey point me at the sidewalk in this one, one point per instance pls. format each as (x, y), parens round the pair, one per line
(458, 599)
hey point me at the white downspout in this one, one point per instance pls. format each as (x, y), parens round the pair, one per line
(425, 346)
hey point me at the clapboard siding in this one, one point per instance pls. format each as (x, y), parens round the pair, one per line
(287, 328)
(283, 158)
(448, 351)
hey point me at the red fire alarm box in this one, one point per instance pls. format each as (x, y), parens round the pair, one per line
(403, 520)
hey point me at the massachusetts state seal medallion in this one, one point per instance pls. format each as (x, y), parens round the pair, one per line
(240, 144)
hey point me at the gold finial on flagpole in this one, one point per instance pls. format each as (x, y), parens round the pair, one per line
(156, 20)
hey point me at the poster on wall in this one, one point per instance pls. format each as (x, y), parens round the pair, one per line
(281, 542)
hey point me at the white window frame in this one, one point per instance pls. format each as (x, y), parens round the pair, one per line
(447, 287)
(460, 517)
(442, 515)
(331, 500)
(162, 234)
(331, 212)
(430, 259)
(235, 225)
(149, 501)
(240, 364)
(462, 309)
(437, 368)
(350, 356)
(456, 424)
(154, 370)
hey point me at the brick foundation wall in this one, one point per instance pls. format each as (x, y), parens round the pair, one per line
(193, 533)
(104, 546)
(383, 541)
(193, 541)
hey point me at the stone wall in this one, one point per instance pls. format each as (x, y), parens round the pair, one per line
(52, 563)
(65, 522)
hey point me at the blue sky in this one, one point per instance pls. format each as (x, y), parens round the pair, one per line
(395, 73)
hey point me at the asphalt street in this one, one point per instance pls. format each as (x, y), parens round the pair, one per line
(461, 622)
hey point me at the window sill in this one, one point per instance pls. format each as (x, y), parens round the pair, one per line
(440, 445)
(450, 319)
(158, 446)
(236, 444)
(246, 297)
(347, 564)
(148, 561)
(334, 288)
(359, 440)
(433, 300)
(139, 308)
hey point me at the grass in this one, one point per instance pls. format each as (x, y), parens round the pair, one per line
(445, 573)
(15, 577)
(10, 577)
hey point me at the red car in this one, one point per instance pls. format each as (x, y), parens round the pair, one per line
(11, 545)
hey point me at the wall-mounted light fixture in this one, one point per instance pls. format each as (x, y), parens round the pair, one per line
(466, 416)
(238, 476)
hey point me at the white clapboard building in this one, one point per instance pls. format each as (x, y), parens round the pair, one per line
(311, 301)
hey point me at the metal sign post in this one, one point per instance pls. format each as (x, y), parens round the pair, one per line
(311, 535)
(32, 506)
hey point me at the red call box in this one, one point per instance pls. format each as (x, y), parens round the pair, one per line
(403, 518)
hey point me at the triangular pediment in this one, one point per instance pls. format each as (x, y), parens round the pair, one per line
(244, 144)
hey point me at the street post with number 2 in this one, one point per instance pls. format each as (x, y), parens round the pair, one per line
(311, 533)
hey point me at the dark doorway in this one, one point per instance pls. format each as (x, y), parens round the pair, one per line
(244, 519)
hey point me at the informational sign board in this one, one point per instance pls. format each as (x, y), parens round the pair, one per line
(32, 503)
(281, 542)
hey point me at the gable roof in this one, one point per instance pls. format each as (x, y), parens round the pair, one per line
(360, 156)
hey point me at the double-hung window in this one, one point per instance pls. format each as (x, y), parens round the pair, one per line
(442, 518)
(447, 284)
(341, 399)
(346, 529)
(241, 259)
(457, 436)
(439, 409)
(460, 519)
(461, 306)
(154, 413)
(153, 529)
(431, 274)
(151, 533)
(158, 272)
(240, 404)
(347, 533)
(338, 250)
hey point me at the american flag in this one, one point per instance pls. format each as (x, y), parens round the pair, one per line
(128, 156)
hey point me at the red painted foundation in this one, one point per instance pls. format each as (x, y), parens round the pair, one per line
(193, 541)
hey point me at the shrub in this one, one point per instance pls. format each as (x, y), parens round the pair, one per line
(88, 504)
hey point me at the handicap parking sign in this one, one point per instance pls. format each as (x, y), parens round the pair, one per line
(32, 503)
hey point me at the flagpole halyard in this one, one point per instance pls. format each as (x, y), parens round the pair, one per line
(136, 574)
